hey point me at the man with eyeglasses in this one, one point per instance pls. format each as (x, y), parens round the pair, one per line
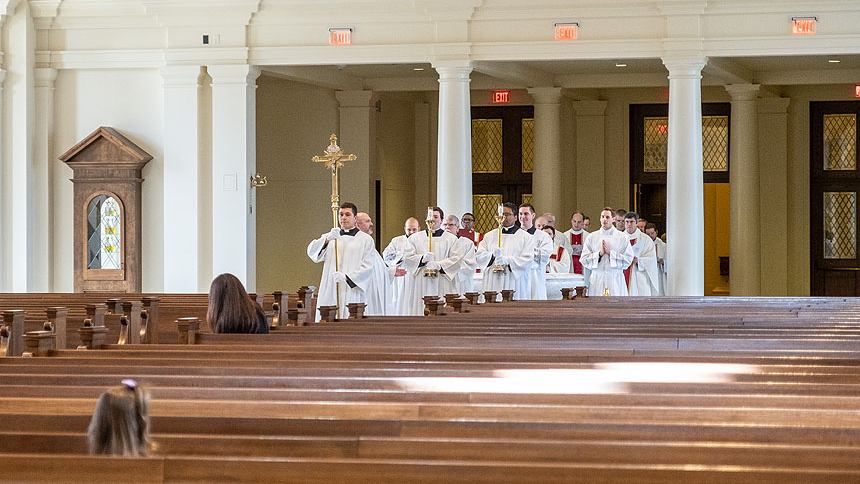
(513, 259)
(468, 229)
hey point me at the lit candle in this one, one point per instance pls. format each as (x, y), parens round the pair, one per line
(501, 212)
(429, 213)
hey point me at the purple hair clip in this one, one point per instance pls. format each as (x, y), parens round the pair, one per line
(129, 383)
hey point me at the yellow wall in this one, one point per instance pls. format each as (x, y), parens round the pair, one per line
(717, 236)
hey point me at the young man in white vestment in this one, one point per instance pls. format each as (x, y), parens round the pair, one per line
(514, 258)
(466, 275)
(651, 231)
(445, 259)
(642, 276)
(536, 284)
(606, 252)
(393, 256)
(559, 260)
(355, 264)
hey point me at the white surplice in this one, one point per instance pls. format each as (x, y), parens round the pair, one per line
(393, 256)
(607, 271)
(447, 252)
(573, 240)
(644, 278)
(466, 275)
(356, 256)
(517, 249)
(534, 286)
(559, 260)
(660, 246)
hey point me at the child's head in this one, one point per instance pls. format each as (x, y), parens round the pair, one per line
(120, 423)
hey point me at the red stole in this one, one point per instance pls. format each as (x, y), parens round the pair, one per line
(627, 271)
(576, 239)
(557, 256)
(470, 234)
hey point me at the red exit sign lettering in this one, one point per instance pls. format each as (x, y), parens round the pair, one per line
(857, 90)
(566, 31)
(340, 36)
(501, 97)
(803, 25)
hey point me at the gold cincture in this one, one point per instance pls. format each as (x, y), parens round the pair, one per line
(429, 222)
(333, 159)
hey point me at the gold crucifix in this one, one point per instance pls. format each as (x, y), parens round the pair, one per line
(333, 159)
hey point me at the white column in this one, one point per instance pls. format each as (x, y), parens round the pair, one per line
(546, 176)
(745, 238)
(41, 266)
(182, 171)
(590, 158)
(5, 242)
(234, 240)
(454, 157)
(358, 136)
(685, 256)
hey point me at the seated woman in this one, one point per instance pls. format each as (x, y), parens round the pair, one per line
(231, 310)
(120, 424)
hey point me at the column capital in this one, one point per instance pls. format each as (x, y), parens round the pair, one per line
(453, 69)
(234, 74)
(545, 95)
(180, 76)
(743, 92)
(45, 76)
(773, 105)
(589, 108)
(685, 67)
(354, 99)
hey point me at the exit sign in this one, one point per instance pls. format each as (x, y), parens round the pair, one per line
(340, 36)
(857, 90)
(566, 30)
(803, 25)
(501, 97)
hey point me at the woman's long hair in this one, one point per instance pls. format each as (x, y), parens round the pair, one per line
(120, 424)
(231, 310)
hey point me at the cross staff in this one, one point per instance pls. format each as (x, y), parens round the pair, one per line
(333, 159)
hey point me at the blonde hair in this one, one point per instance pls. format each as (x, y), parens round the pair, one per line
(120, 424)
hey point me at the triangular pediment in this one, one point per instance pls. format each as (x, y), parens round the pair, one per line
(106, 145)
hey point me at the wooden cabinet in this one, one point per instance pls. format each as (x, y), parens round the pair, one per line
(107, 196)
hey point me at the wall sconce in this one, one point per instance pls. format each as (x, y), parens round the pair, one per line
(258, 180)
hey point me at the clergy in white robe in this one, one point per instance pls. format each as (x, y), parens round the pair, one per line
(559, 260)
(515, 256)
(356, 261)
(642, 276)
(393, 255)
(466, 274)
(380, 292)
(445, 257)
(573, 239)
(660, 246)
(606, 252)
(535, 286)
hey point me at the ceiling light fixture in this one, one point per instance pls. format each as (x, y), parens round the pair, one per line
(620, 64)
(417, 68)
(834, 61)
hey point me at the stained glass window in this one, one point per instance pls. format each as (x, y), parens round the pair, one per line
(486, 146)
(715, 143)
(104, 237)
(528, 146)
(840, 225)
(840, 141)
(485, 208)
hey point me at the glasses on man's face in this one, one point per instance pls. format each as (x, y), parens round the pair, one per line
(506, 214)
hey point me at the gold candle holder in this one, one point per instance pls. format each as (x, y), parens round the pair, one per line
(429, 222)
(500, 218)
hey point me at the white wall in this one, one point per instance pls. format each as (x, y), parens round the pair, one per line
(131, 102)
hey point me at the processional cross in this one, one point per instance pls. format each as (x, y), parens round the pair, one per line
(333, 159)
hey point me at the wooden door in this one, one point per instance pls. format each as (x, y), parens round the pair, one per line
(834, 185)
(502, 157)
